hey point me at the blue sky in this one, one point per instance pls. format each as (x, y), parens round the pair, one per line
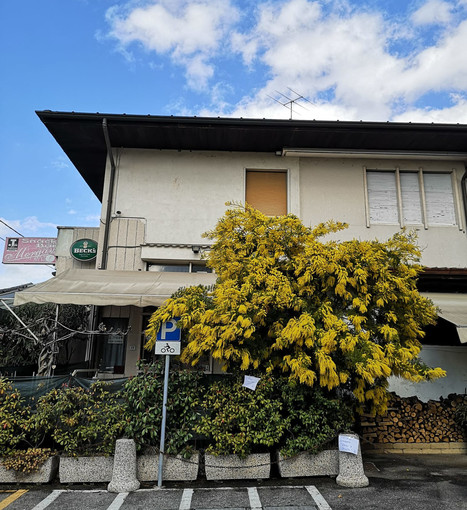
(369, 60)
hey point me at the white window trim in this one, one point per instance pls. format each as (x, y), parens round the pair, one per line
(396, 170)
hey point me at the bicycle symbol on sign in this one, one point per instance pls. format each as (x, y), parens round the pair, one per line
(167, 349)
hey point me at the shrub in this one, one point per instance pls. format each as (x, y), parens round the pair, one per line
(80, 421)
(241, 421)
(143, 395)
(27, 461)
(14, 414)
(313, 418)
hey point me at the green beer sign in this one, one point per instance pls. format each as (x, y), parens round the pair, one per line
(84, 250)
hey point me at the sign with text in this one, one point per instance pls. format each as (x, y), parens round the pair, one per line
(348, 444)
(168, 339)
(29, 250)
(84, 250)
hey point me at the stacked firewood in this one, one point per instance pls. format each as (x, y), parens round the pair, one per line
(409, 420)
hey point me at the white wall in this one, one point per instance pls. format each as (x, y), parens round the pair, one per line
(182, 194)
(451, 359)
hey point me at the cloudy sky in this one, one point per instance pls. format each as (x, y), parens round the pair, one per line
(350, 60)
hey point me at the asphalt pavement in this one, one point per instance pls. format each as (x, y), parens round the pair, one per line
(397, 482)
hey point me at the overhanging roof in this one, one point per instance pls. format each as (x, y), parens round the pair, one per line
(81, 137)
(119, 288)
(453, 308)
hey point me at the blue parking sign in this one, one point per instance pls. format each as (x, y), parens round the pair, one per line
(169, 331)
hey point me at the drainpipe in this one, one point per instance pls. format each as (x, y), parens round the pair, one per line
(108, 215)
(464, 195)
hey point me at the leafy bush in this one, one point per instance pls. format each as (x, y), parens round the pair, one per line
(143, 395)
(27, 461)
(14, 414)
(313, 418)
(241, 421)
(80, 421)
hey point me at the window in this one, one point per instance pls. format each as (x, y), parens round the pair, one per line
(189, 267)
(267, 191)
(410, 198)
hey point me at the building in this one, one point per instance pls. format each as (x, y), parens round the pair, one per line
(163, 181)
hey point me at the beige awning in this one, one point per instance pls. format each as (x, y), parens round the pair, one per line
(119, 288)
(453, 308)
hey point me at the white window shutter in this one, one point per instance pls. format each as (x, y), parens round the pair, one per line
(439, 199)
(411, 203)
(382, 197)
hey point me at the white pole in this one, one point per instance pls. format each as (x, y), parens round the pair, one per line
(164, 416)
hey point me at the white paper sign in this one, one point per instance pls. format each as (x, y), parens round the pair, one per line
(348, 444)
(250, 382)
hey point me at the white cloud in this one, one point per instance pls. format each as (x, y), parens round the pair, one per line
(12, 275)
(190, 32)
(342, 60)
(351, 61)
(29, 226)
(433, 12)
(450, 115)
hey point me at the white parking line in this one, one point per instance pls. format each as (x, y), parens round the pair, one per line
(49, 499)
(318, 498)
(185, 502)
(118, 501)
(255, 502)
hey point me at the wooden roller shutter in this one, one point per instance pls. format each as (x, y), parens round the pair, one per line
(267, 191)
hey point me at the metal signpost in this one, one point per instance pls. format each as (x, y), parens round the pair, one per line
(168, 342)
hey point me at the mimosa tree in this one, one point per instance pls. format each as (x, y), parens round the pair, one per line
(322, 312)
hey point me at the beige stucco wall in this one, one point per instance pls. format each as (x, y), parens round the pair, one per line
(174, 197)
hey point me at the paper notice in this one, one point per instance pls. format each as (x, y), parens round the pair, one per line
(348, 444)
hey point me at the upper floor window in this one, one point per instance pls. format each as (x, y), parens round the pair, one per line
(267, 191)
(410, 198)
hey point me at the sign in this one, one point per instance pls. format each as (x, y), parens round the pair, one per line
(84, 250)
(30, 250)
(348, 444)
(168, 338)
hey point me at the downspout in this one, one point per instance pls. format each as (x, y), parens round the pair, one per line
(464, 194)
(108, 215)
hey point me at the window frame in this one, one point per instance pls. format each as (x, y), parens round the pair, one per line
(423, 202)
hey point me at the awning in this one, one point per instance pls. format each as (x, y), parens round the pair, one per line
(453, 308)
(119, 288)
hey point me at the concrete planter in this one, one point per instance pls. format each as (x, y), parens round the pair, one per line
(85, 469)
(45, 474)
(231, 467)
(175, 468)
(325, 463)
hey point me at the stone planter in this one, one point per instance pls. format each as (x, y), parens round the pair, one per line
(175, 468)
(325, 463)
(231, 467)
(45, 474)
(85, 469)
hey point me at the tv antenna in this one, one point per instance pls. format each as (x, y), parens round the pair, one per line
(291, 101)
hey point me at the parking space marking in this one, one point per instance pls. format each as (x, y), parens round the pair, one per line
(118, 501)
(255, 502)
(13, 497)
(49, 499)
(185, 503)
(318, 498)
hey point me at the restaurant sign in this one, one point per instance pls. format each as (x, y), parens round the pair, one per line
(29, 250)
(84, 250)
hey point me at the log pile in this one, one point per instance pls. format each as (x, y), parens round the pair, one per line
(409, 420)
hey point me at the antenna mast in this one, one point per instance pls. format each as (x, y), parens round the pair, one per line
(291, 101)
